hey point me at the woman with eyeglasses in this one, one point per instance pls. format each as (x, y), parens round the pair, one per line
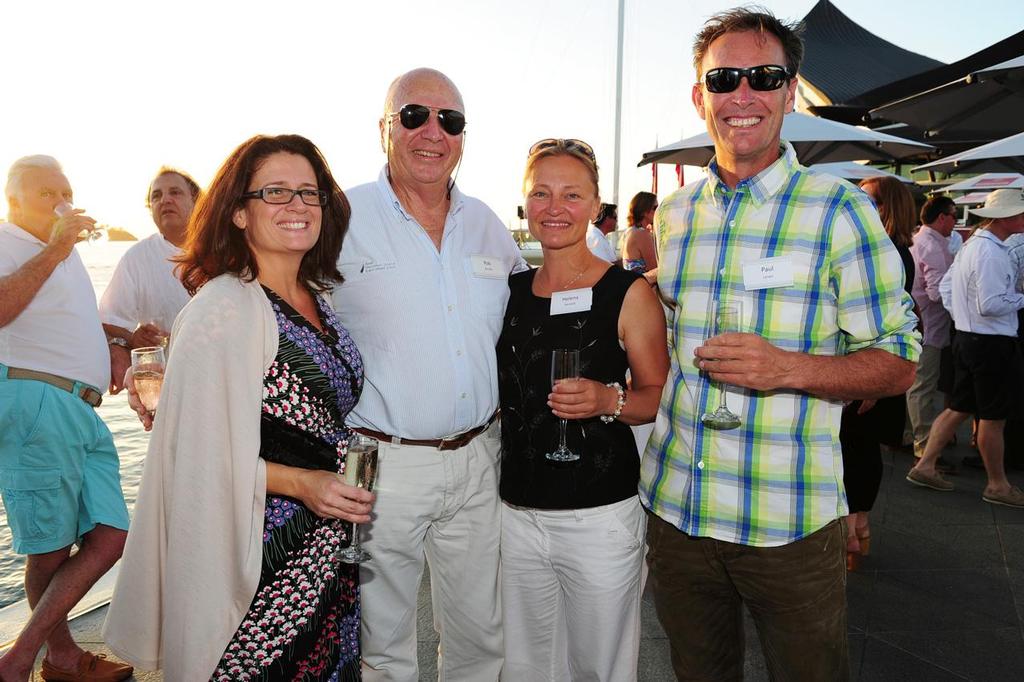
(572, 533)
(866, 424)
(639, 252)
(229, 571)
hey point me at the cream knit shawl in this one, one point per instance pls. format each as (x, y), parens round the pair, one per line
(192, 561)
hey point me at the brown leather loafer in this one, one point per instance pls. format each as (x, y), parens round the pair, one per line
(91, 668)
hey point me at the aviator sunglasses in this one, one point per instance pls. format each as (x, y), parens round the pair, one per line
(413, 116)
(568, 143)
(762, 78)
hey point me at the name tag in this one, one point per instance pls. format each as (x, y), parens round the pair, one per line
(369, 267)
(768, 273)
(571, 301)
(489, 267)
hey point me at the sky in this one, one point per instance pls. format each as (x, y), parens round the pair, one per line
(116, 89)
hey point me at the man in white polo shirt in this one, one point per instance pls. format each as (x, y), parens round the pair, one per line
(144, 295)
(597, 233)
(426, 281)
(58, 466)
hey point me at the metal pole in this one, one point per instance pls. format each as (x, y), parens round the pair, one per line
(618, 105)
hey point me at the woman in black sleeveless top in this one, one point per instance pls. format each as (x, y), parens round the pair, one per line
(572, 532)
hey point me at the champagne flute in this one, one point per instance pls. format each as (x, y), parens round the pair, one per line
(727, 318)
(65, 207)
(148, 374)
(360, 471)
(565, 364)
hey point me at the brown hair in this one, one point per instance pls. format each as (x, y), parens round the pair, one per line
(756, 19)
(562, 147)
(641, 203)
(214, 244)
(895, 206)
(934, 207)
(193, 186)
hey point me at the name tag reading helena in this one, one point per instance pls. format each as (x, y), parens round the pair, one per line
(571, 301)
(768, 273)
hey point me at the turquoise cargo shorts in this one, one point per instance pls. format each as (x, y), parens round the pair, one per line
(58, 467)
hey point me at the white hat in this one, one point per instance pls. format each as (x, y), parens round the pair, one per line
(1002, 203)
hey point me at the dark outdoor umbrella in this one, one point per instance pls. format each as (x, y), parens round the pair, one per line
(816, 140)
(984, 105)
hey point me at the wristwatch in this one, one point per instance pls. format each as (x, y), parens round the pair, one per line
(118, 341)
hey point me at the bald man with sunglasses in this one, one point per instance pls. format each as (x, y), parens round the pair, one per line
(752, 511)
(425, 288)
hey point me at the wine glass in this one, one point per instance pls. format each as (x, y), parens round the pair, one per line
(727, 317)
(148, 374)
(65, 207)
(360, 471)
(565, 364)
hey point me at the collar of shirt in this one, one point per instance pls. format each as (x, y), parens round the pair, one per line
(384, 184)
(21, 233)
(762, 186)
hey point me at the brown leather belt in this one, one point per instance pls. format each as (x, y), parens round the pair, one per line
(453, 443)
(86, 393)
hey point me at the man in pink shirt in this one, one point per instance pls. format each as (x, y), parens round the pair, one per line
(932, 258)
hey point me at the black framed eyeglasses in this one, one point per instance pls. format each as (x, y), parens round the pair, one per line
(762, 78)
(283, 195)
(414, 116)
(568, 143)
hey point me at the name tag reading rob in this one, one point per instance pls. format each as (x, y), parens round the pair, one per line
(571, 301)
(489, 267)
(768, 273)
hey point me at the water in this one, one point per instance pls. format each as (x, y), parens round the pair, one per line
(100, 259)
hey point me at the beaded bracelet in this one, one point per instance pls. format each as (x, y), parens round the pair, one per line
(619, 403)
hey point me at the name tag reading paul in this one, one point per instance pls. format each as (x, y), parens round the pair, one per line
(571, 301)
(768, 273)
(489, 267)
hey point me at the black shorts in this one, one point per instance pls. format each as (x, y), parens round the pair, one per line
(988, 374)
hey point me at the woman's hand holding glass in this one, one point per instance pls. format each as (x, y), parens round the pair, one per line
(326, 494)
(582, 399)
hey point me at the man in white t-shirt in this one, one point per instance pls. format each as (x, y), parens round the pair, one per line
(144, 295)
(597, 233)
(58, 467)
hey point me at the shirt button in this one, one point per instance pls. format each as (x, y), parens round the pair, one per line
(463, 396)
(458, 353)
(722, 271)
(451, 308)
(732, 223)
(700, 464)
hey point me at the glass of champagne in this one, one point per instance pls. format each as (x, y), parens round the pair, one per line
(65, 207)
(361, 472)
(727, 318)
(565, 364)
(148, 374)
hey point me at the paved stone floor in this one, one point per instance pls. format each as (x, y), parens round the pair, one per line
(941, 597)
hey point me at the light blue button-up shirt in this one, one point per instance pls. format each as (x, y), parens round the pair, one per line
(979, 289)
(426, 321)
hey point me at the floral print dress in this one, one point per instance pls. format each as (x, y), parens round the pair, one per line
(303, 623)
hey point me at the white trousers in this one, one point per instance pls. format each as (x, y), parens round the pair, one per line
(443, 506)
(571, 582)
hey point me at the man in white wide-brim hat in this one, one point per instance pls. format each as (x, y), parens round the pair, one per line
(980, 292)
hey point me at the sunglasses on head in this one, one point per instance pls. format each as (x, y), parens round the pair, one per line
(413, 116)
(762, 78)
(568, 143)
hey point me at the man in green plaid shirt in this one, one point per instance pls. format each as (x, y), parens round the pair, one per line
(753, 514)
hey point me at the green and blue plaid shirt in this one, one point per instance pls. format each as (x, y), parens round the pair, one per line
(779, 476)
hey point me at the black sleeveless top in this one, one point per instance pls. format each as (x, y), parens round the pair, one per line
(608, 469)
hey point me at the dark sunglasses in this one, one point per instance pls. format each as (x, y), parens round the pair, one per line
(762, 78)
(413, 116)
(567, 143)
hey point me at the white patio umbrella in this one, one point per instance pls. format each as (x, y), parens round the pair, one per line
(982, 105)
(986, 182)
(816, 140)
(1006, 155)
(972, 199)
(849, 170)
